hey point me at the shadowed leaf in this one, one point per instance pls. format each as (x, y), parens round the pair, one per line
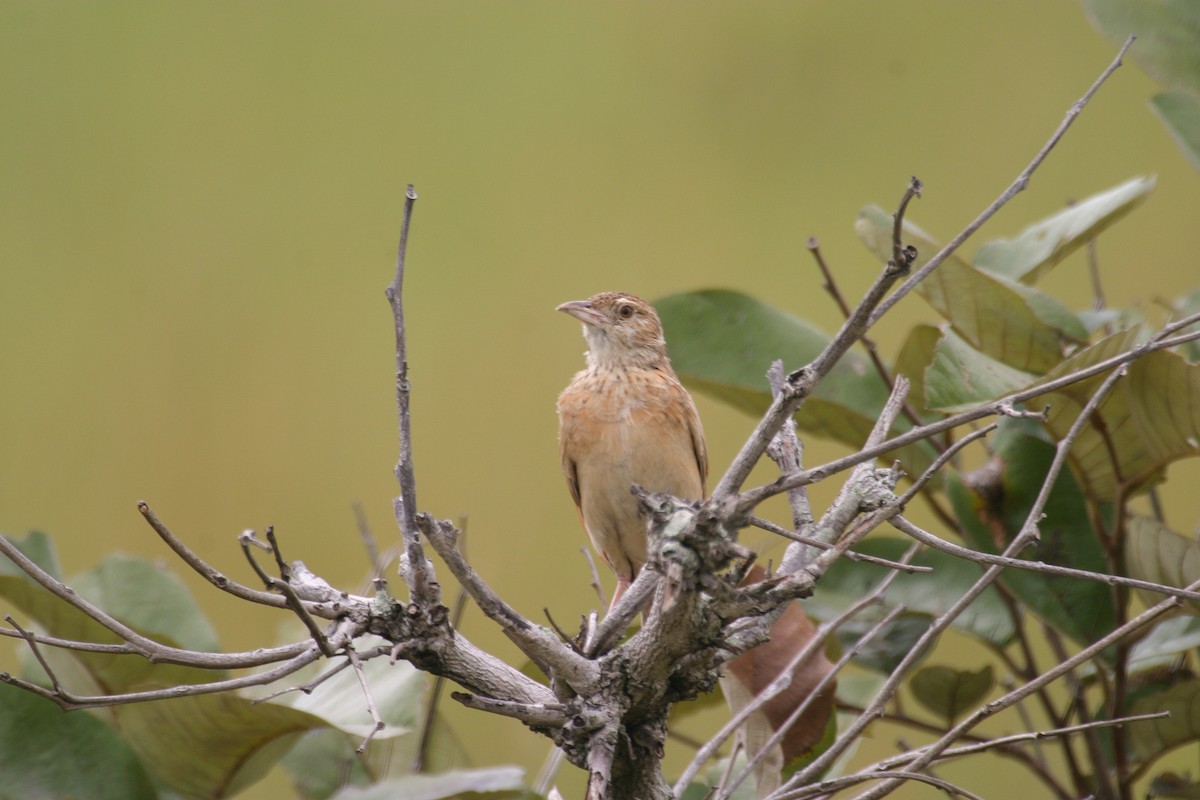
(45, 752)
(1035, 250)
(1151, 738)
(929, 593)
(240, 740)
(1154, 553)
(950, 692)
(992, 503)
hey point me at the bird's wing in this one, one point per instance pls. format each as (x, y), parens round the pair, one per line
(570, 473)
(698, 446)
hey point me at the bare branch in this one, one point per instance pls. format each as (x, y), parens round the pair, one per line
(787, 451)
(550, 655)
(587, 554)
(931, 752)
(366, 690)
(198, 564)
(853, 555)
(749, 499)
(368, 540)
(851, 652)
(69, 702)
(923, 536)
(417, 574)
(941, 460)
(1012, 191)
(548, 715)
(799, 384)
(148, 648)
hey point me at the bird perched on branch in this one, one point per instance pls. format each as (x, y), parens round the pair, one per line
(626, 420)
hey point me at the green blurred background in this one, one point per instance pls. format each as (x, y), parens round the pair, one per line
(199, 204)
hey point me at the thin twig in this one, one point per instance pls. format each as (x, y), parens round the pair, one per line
(31, 640)
(307, 688)
(368, 540)
(749, 499)
(549, 715)
(146, 647)
(1012, 191)
(783, 679)
(544, 649)
(595, 576)
(799, 384)
(366, 690)
(212, 575)
(931, 752)
(420, 584)
(781, 731)
(853, 555)
(941, 460)
(905, 526)
(420, 759)
(1027, 535)
(69, 701)
(830, 285)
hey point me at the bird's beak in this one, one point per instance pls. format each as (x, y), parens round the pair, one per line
(582, 310)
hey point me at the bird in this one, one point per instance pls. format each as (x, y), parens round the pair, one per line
(626, 419)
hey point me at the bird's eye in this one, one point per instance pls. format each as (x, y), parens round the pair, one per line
(626, 311)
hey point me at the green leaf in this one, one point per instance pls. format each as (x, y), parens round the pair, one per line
(961, 377)
(1151, 738)
(723, 342)
(950, 692)
(1008, 321)
(322, 762)
(991, 505)
(38, 548)
(214, 745)
(916, 354)
(1179, 110)
(46, 752)
(498, 782)
(1168, 31)
(1150, 419)
(929, 593)
(87, 673)
(1033, 252)
(120, 586)
(398, 689)
(1154, 553)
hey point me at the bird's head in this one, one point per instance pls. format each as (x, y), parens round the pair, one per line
(622, 330)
